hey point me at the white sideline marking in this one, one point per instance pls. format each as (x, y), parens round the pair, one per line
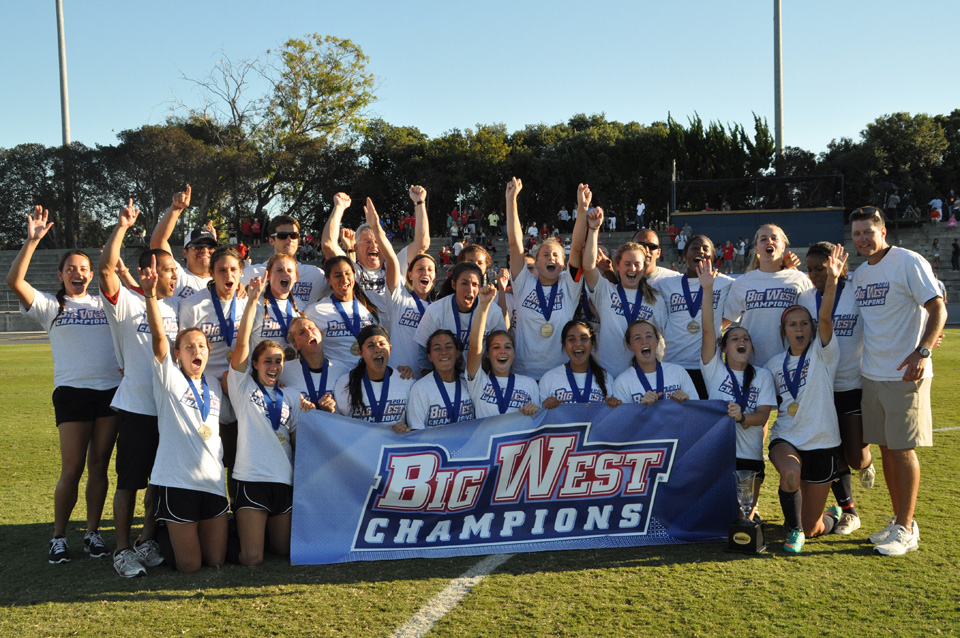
(945, 429)
(441, 604)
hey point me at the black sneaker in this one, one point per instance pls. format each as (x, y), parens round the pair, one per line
(58, 551)
(93, 544)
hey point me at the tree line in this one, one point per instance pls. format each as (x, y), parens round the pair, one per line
(289, 148)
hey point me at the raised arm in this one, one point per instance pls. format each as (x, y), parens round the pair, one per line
(386, 250)
(512, 220)
(37, 227)
(708, 342)
(594, 221)
(330, 238)
(421, 232)
(241, 349)
(584, 197)
(110, 257)
(475, 347)
(834, 266)
(165, 225)
(158, 337)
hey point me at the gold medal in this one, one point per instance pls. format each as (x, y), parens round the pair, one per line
(792, 410)
(693, 327)
(281, 438)
(289, 354)
(205, 432)
(229, 356)
(546, 330)
(355, 349)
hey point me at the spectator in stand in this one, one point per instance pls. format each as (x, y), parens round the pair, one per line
(728, 253)
(255, 232)
(893, 205)
(532, 231)
(739, 258)
(641, 209)
(936, 210)
(955, 256)
(544, 233)
(493, 220)
(245, 227)
(612, 222)
(687, 230)
(563, 219)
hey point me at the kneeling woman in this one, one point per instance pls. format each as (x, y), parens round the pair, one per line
(647, 380)
(496, 389)
(188, 470)
(267, 427)
(454, 404)
(581, 379)
(805, 439)
(373, 391)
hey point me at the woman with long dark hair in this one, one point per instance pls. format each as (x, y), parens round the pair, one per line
(441, 397)
(581, 379)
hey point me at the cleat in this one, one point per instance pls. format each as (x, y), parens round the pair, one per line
(795, 540)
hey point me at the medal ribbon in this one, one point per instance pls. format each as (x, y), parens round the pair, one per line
(377, 407)
(739, 395)
(793, 383)
(226, 327)
(461, 343)
(420, 306)
(836, 301)
(579, 397)
(693, 301)
(630, 313)
(283, 319)
(503, 397)
(646, 384)
(274, 406)
(453, 410)
(203, 400)
(308, 377)
(352, 324)
(546, 307)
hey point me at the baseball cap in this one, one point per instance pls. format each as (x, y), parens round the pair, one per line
(200, 235)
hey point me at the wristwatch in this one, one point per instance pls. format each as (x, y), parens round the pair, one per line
(924, 352)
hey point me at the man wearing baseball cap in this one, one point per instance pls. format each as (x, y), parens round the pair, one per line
(198, 246)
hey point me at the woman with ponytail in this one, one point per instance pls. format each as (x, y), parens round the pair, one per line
(277, 308)
(85, 377)
(372, 391)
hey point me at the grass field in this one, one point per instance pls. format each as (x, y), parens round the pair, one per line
(835, 587)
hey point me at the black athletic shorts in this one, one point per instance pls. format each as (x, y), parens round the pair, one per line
(178, 505)
(756, 466)
(848, 402)
(816, 466)
(82, 404)
(228, 436)
(272, 498)
(138, 436)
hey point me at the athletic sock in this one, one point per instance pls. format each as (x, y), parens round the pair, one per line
(843, 492)
(790, 503)
(829, 523)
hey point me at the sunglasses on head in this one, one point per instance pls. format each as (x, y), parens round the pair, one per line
(284, 235)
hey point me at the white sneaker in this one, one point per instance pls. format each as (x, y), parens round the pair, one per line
(148, 552)
(916, 530)
(847, 524)
(868, 476)
(878, 537)
(126, 564)
(898, 543)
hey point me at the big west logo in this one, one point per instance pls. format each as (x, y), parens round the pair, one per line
(549, 484)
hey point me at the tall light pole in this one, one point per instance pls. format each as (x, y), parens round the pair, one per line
(70, 222)
(777, 80)
(64, 100)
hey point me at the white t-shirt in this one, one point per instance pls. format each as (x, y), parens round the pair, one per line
(440, 315)
(535, 353)
(267, 328)
(197, 311)
(719, 386)
(80, 340)
(374, 282)
(404, 319)
(848, 332)
(611, 349)
(814, 427)
(426, 407)
(337, 336)
(298, 381)
(187, 282)
(131, 336)
(184, 460)
(525, 390)
(760, 298)
(556, 384)
(261, 455)
(628, 388)
(659, 275)
(311, 285)
(683, 347)
(891, 295)
(395, 409)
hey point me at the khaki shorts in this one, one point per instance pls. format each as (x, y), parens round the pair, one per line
(896, 414)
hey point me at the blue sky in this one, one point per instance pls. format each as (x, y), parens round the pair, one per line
(445, 65)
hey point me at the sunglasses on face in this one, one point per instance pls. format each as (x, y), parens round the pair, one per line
(649, 245)
(293, 235)
(199, 247)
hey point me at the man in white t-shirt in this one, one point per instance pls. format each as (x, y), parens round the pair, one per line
(903, 313)
(653, 272)
(198, 246)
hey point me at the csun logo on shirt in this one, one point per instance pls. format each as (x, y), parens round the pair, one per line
(771, 298)
(872, 294)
